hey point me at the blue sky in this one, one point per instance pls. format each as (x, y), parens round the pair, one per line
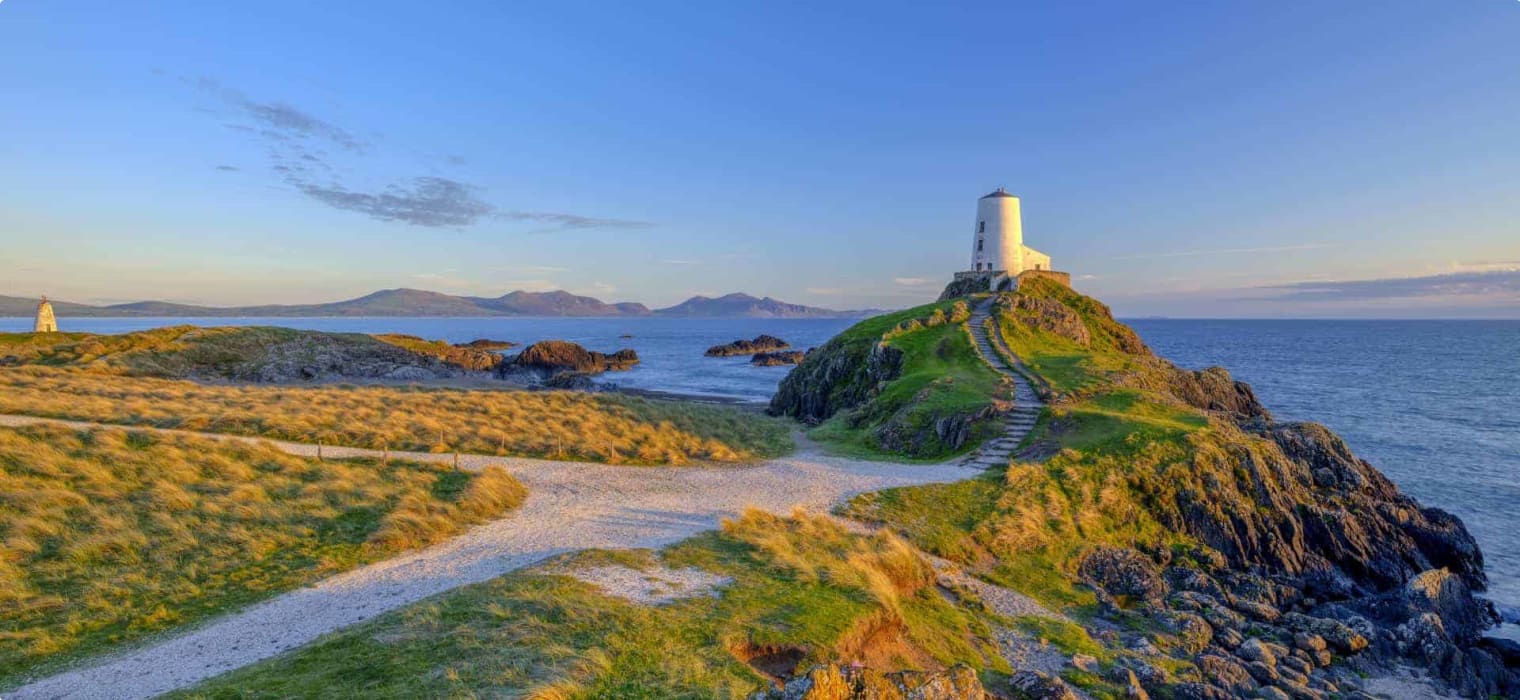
(1201, 158)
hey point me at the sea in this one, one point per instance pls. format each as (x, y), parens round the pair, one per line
(1435, 405)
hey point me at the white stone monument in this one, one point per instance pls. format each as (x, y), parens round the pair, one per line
(46, 321)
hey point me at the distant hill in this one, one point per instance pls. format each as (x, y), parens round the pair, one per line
(418, 302)
(559, 303)
(744, 305)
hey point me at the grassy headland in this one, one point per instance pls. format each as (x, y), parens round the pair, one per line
(1113, 442)
(802, 589)
(110, 535)
(903, 385)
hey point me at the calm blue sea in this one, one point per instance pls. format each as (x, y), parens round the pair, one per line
(1433, 404)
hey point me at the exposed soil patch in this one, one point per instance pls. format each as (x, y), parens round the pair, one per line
(654, 586)
(774, 662)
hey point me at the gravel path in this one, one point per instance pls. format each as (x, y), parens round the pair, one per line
(571, 505)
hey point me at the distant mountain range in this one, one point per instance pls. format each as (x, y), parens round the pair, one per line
(417, 302)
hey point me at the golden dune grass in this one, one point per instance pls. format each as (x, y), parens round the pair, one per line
(110, 534)
(558, 425)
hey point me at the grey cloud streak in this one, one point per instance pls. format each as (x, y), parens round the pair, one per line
(294, 138)
(428, 201)
(1490, 284)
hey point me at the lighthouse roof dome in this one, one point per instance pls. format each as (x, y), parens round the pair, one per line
(1000, 193)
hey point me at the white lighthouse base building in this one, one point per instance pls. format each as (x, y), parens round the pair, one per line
(998, 254)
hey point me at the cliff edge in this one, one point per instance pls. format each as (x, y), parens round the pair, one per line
(1209, 549)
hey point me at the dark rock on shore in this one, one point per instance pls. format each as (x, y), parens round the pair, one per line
(837, 375)
(1122, 572)
(761, 343)
(552, 357)
(777, 359)
(487, 344)
(469, 357)
(573, 381)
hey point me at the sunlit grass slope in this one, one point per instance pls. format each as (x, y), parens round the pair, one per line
(560, 425)
(938, 377)
(1116, 442)
(803, 590)
(109, 535)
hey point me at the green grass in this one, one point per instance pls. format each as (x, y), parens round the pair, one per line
(942, 376)
(798, 583)
(107, 536)
(1070, 637)
(1117, 443)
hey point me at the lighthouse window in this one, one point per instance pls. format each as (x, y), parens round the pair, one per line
(978, 244)
(981, 227)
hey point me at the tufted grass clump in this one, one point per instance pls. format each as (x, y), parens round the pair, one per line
(109, 535)
(801, 590)
(607, 428)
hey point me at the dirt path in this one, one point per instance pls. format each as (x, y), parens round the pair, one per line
(571, 505)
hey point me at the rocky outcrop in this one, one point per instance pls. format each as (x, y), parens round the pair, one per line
(1057, 310)
(836, 682)
(468, 357)
(778, 359)
(907, 433)
(1213, 389)
(837, 375)
(965, 286)
(1122, 572)
(487, 344)
(551, 357)
(761, 343)
(278, 355)
(1309, 556)
(852, 368)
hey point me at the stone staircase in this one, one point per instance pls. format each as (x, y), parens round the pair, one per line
(1027, 404)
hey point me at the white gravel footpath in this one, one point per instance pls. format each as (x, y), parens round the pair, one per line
(570, 506)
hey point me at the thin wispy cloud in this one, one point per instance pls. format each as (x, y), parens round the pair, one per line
(277, 120)
(567, 222)
(680, 262)
(910, 281)
(1224, 251)
(1489, 286)
(427, 201)
(300, 143)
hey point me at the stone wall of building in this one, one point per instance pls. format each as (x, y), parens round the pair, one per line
(46, 321)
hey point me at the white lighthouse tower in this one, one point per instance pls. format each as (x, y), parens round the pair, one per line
(998, 254)
(998, 245)
(46, 322)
